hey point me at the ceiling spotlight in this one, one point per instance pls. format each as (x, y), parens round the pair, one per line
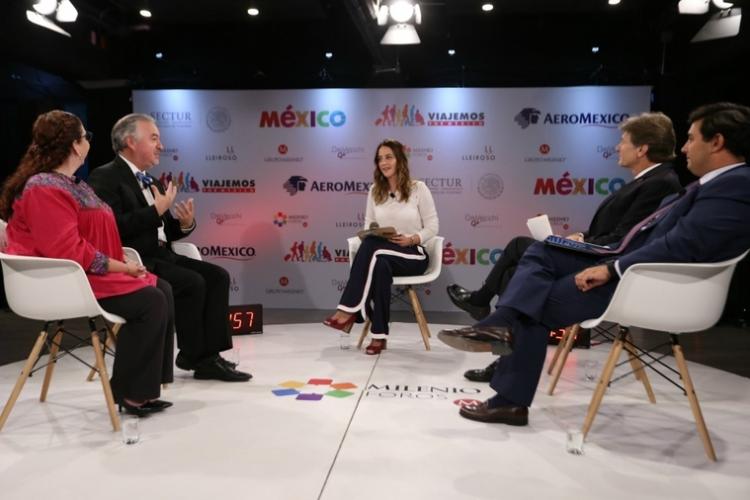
(66, 13)
(693, 6)
(451, 52)
(42, 21)
(613, 2)
(145, 13)
(253, 11)
(329, 55)
(45, 7)
(487, 7)
(594, 49)
(401, 34)
(723, 5)
(159, 55)
(401, 11)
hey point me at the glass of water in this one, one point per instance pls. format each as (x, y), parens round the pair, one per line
(591, 370)
(344, 341)
(574, 442)
(130, 433)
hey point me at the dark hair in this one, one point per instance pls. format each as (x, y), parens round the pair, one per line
(381, 188)
(654, 130)
(730, 120)
(52, 137)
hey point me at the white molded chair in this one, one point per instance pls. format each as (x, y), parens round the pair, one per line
(186, 249)
(434, 247)
(53, 290)
(675, 298)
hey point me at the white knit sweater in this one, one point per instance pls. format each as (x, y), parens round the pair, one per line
(416, 216)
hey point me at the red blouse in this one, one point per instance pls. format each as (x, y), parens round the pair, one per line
(58, 218)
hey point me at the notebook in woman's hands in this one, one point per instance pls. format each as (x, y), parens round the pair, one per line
(379, 232)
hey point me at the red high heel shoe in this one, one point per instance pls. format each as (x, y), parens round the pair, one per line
(376, 345)
(345, 326)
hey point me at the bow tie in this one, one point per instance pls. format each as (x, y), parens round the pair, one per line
(144, 179)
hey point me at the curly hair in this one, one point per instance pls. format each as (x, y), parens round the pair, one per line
(52, 137)
(381, 189)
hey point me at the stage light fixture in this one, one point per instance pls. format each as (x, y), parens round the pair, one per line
(404, 14)
(253, 11)
(694, 7)
(66, 13)
(145, 13)
(45, 7)
(487, 7)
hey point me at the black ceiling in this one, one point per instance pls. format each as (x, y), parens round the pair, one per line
(215, 44)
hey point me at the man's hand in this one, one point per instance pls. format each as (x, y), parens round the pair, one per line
(184, 212)
(592, 277)
(575, 237)
(162, 202)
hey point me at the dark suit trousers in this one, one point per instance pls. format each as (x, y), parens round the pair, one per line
(502, 271)
(201, 295)
(145, 344)
(542, 296)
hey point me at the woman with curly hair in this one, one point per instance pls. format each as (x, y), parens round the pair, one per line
(53, 214)
(394, 200)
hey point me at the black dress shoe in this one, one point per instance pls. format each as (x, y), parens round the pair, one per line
(214, 369)
(510, 415)
(138, 411)
(157, 405)
(495, 339)
(482, 375)
(461, 298)
(227, 363)
(183, 363)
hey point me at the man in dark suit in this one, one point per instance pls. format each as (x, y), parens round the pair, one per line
(647, 141)
(142, 209)
(706, 222)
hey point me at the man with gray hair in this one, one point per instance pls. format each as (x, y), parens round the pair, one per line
(141, 205)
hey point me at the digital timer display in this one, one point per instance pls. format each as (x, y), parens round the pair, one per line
(246, 319)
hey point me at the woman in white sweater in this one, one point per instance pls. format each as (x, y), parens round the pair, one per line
(405, 204)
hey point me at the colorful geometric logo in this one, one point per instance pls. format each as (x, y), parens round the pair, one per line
(280, 219)
(314, 389)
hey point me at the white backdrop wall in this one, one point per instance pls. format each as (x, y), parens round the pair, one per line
(279, 177)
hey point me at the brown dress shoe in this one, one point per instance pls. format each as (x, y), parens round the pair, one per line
(495, 339)
(510, 415)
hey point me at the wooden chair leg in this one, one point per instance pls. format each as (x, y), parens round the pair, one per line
(102, 369)
(27, 367)
(569, 337)
(111, 342)
(694, 405)
(419, 314)
(639, 368)
(558, 350)
(363, 334)
(51, 364)
(601, 387)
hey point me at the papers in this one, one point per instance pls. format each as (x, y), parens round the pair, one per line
(539, 227)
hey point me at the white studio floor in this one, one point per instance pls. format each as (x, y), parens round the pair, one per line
(396, 435)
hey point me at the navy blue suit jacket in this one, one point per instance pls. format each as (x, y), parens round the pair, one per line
(710, 224)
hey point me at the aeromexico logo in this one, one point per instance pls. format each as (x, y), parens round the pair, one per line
(408, 115)
(297, 183)
(532, 116)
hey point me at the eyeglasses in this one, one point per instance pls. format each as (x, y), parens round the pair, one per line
(88, 135)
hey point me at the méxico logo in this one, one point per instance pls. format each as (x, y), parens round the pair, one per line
(314, 389)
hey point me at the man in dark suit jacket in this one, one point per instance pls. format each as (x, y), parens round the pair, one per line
(142, 209)
(552, 287)
(647, 141)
